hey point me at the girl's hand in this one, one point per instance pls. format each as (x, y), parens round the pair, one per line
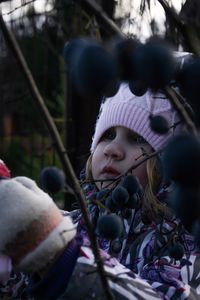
(5, 268)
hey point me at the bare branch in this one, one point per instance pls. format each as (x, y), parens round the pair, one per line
(101, 16)
(13, 45)
(174, 98)
(18, 7)
(188, 32)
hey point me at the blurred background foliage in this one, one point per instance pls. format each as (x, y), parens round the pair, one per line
(42, 27)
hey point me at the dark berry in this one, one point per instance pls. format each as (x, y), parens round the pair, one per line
(134, 201)
(138, 87)
(181, 160)
(52, 179)
(72, 50)
(188, 81)
(131, 184)
(120, 196)
(176, 251)
(94, 71)
(112, 88)
(110, 204)
(153, 63)
(123, 50)
(109, 226)
(185, 202)
(159, 124)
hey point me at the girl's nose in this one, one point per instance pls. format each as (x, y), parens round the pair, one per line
(114, 150)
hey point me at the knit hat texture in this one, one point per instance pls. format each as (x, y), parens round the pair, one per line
(133, 112)
(32, 229)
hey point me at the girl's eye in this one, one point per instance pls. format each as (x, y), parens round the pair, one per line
(134, 138)
(110, 134)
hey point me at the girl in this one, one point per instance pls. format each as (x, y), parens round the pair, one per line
(43, 244)
(153, 243)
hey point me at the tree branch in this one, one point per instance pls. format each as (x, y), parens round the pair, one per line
(188, 32)
(101, 16)
(20, 6)
(13, 45)
(175, 99)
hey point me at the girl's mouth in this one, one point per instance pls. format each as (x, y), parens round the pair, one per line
(109, 172)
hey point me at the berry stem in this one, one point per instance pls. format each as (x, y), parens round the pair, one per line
(174, 97)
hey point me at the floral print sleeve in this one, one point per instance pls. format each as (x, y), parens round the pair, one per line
(172, 278)
(14, 289)
(144, 249)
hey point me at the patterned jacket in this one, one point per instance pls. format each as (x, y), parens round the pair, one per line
(15, 288)
(144, 249)
(74, 276)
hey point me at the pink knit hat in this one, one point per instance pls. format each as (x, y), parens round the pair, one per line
(131, 111)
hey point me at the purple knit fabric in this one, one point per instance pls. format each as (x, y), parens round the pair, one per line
(126, 109)
(52, 286)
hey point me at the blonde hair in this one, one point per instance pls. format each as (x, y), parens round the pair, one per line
(88, 168)
(152, 208)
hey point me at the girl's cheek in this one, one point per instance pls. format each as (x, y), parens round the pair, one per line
(141, 174)
(95, 163)
(140, 152)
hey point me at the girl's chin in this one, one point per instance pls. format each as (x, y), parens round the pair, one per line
(111, 176)
(106, 184)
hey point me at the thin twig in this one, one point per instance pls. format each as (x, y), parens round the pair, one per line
(174, 99)
(18, 7)
(101, 16)
(188, 32)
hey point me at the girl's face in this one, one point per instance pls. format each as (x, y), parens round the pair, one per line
(118, 150)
